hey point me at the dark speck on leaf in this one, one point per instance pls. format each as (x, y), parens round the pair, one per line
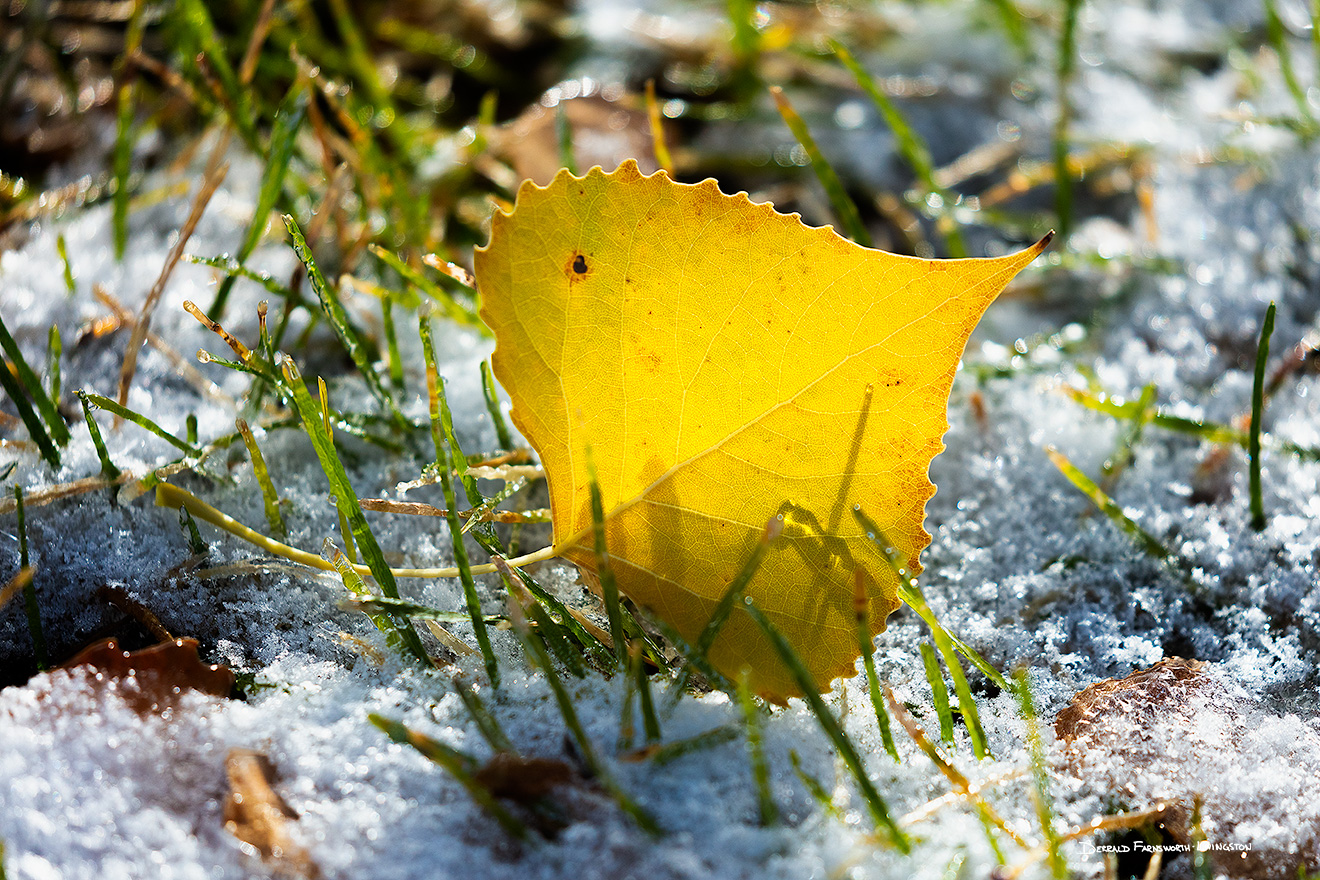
(580, 265)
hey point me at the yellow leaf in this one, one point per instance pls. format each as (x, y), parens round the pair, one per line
(726, 364)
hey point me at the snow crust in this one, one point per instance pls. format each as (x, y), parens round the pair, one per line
(1020, 567)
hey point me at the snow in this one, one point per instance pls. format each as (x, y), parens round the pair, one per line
(1020, 566)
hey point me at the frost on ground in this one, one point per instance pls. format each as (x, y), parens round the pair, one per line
(1021, 567)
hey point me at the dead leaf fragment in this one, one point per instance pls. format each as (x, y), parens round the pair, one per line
(257, 815)
(726, 364)
(1174, 733)
(152, 679)
(522, 779)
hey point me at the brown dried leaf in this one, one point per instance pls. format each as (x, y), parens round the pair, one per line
(257, 815)
(152, 679)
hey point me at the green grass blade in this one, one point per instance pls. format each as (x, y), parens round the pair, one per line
(108, 469)
(448, 457)
(911, 594)
(751, 715)
(713, 738)
(454, 310)
(875, 804)
(843, 204)
(369, 603)
(1278, 37)
(815, 789)
(939, 693)
(121, 165)
(346, 499)
(269, 497)
(536, 653)
(283, 137)
(564, 134)
(226, 264)
(867, 647)
(392, 342)
(1110, 509)
(461, 766)
(36, 429)
(56, 429)
(733, 595)
(62, 248)
(196, 546)
(54, 351)
(1066, 64)
(609, 588)
(338, 318)
(363, 598)
(650, 721)
(911, 146)
(1040, 777)
(30, 604)
(111, 406)
(493, 407)
(1257, 406)
(1211, 432)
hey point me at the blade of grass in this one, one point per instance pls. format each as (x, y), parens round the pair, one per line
(392, 342)
(843, 204)
(446, 455)
(911, 594)
(911, 146)
(168, 495)
(609, 588)
(555, 636)
(108, 469)
(455, 311)
(659, 755)
(867, 647)
(990, 820)
(656, 120)
(30, 604)
(732, 597)
(461, 766)
(141, 421)
(502, 434)
(32, 390)
(765, 801)
(62, 248)
(338, 318)
(1040, 776)
(1065, 66)
(54, 351)
(1278, 37)
(875, 804)
(357, 588)
(216, 169)
(327, 424)
(289, 118)
(1257, 405)
(537, 655)
(345, 498)
(815, 789)
(227, 265)
(564, 133)
(938, 691)
(650, 722)
(1210, 432)
(269, 497)
(1110, 509)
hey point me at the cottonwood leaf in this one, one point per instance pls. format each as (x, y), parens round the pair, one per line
(726, 364)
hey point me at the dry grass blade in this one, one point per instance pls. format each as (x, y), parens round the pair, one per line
(215, 174)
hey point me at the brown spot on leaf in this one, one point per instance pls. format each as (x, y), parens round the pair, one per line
(580, 264)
